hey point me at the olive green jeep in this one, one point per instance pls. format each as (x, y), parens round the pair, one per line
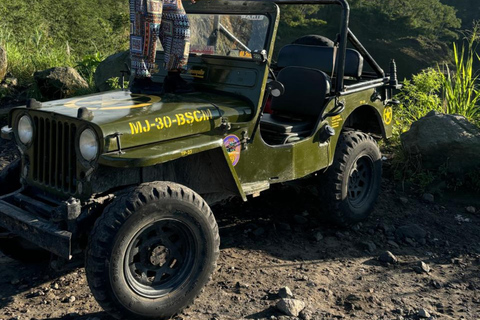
(127, 180)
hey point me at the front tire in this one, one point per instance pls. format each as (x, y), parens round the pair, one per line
(354, 179)
(152, 252)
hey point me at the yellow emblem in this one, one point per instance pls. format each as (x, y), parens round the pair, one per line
(388, 115)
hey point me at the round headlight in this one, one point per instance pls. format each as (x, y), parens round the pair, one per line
(88, 144)
(25, 130)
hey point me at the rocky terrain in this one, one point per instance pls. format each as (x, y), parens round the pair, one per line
(417, 257)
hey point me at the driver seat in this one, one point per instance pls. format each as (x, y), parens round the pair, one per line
(295, 113)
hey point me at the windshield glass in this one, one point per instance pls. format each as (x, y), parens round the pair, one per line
(228, 35)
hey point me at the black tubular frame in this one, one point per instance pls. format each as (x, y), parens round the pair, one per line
(345, 35)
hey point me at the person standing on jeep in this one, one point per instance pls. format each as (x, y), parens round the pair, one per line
(152, 20)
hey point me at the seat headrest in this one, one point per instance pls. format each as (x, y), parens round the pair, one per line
(321, 58)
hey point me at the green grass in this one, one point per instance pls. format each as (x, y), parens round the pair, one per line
(60, 33)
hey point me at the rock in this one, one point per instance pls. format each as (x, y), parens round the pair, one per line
(440, 139)
(422, 267)
(471, 209)
(318, 236)
(387, 229)
(285, 293)
(460, 219)
(300, 219)
(111, 67)
(69, 299)
(393, 244)
(436, 284)
(422, 313)
(403, 200)
(291, 307)
(3, 63)
(388, 257)
(60, 82)
(429, 198)
(369, 246)
(412, 231)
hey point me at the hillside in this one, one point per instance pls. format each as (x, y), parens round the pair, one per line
(47, 33)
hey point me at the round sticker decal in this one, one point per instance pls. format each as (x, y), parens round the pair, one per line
(388, 115)
(233, 146)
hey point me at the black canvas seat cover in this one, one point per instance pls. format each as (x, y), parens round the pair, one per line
(297, 110)
(319, 57)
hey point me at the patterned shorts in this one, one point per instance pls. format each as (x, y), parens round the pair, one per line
(158, 19)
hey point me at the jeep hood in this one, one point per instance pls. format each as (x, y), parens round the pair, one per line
(142, 119)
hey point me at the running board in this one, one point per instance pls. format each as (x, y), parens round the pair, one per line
(254, 188)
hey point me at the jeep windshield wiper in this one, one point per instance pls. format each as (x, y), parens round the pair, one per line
(232, 37)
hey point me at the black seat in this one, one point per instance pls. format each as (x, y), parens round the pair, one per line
(297, 110)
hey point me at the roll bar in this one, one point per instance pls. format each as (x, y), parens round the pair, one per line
(345, 35)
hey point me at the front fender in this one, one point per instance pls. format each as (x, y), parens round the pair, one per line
(169, 151)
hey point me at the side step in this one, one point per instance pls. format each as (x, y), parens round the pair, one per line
(254, 188)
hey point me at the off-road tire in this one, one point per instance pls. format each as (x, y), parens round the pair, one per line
(131, 226)
(354, 179)
(10, 177)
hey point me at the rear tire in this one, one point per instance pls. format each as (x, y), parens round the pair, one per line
(152, 251)
(354, 179)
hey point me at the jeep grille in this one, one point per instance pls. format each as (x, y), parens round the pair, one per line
(54, 161)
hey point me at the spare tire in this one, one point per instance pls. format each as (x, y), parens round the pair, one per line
(314, 40)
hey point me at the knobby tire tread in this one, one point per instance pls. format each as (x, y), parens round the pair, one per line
(113, 218)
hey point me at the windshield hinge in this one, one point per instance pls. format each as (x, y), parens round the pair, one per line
(225, 126)
(244, 140)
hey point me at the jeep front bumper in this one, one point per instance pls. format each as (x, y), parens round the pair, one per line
(21, 220)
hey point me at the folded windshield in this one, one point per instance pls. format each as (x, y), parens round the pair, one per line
(228, 35)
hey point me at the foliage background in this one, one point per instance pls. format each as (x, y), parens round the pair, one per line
(418, 33)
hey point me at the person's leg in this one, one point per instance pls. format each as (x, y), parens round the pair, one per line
(146, 17)
(175, 38)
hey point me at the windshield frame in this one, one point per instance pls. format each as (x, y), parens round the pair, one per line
(268, 9)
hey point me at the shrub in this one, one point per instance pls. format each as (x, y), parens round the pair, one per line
(461, 87)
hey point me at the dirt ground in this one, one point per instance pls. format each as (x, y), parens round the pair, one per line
(276, 240)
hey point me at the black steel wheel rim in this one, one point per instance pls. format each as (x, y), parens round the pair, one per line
(160, 258)
(360, 181)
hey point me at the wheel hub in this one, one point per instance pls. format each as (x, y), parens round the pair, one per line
(359, 181)
(159, 256)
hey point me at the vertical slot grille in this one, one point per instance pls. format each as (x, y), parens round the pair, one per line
(54, 154)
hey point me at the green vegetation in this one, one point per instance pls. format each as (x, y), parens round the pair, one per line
(452, 91)
(443, 89)
(461, 87)
(43, 34)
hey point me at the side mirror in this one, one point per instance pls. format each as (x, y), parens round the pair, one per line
(276, 88)
(259, 56)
